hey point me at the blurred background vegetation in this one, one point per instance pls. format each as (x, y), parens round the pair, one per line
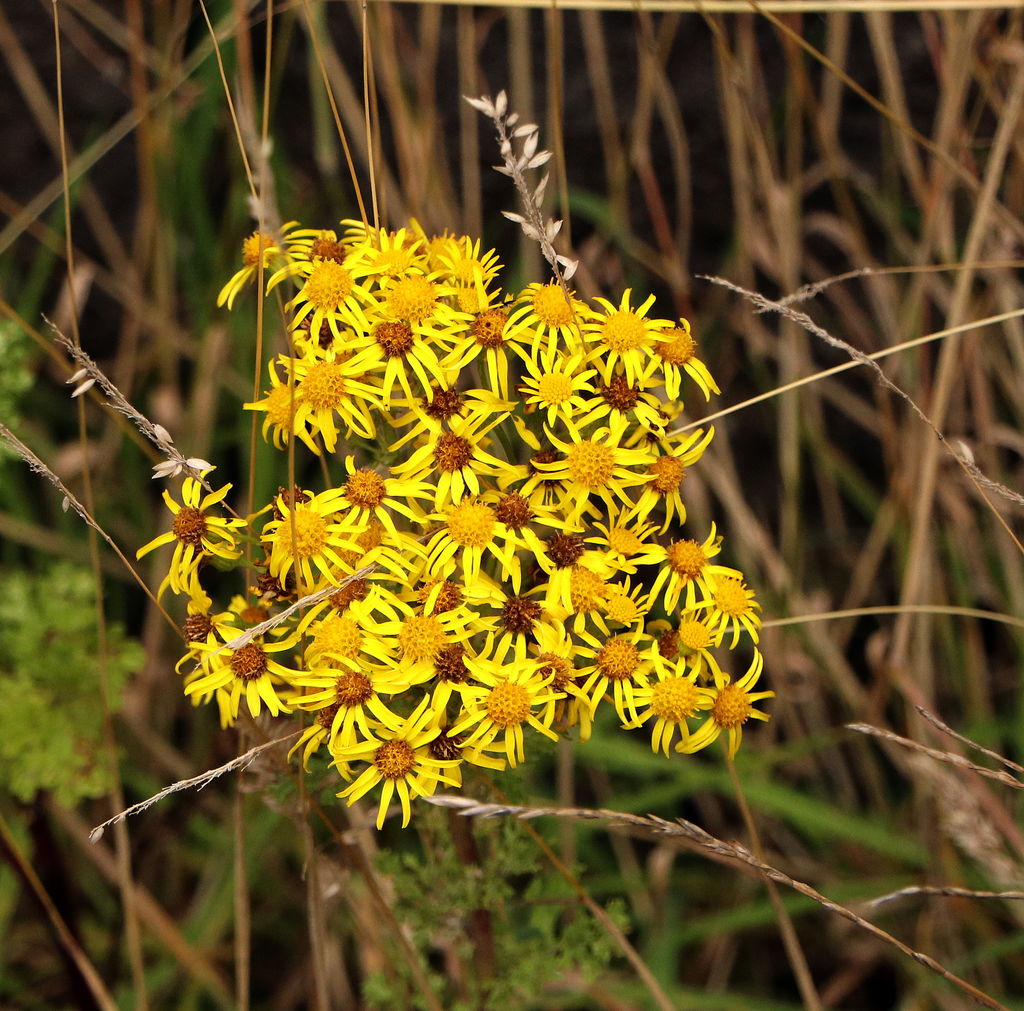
(770, 147)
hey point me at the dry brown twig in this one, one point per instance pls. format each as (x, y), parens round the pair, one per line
(196, 782)
(69, 500)
(947, 729)
(89, 374)
(944, 891)
(939, 756)
(688, 831)
(517, 164)
(964, 457)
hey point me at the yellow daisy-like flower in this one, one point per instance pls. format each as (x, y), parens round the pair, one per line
(665, 476)
(469, 530)
(420, 637)
(489, 333)
(598, 466)
(692, 640)
(279, 406)
(429, 415)
(623, 334)
(420, 300)
(396, 350)
(195, 534)
(332, 388)
(624, 604)
(307, 534)
(733, 705)
(730, 606)
(369, 495)
(464, 264)
(678, 353)
(344, 698)
(457, 458)
(620, 399)
(686, 566)
(506, 702)
(247, 671)
(212, 630)
(557, 384)
(622, 664)
(345, 635)
(257, 245)
(387, 255)
(400, 758)
(329, 289)
(554, 654)
(673, 698)
(550, 317)
(623, 540)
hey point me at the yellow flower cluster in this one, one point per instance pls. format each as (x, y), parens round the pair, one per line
(502, 550)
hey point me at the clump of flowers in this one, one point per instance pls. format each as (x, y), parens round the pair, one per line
(501, 548)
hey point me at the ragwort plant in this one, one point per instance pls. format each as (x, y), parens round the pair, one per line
(503, 554)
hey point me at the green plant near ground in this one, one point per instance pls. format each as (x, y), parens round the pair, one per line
(52, 720)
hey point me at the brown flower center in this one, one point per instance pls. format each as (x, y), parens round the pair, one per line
(445, 748)
(394, 338)
(448, 597)
(450, 664)
(668, 644)
(520, 614)
(353, 689)
(189, 526)
(488, 328)
(443, 404)
(357, 589)
(197, 627)
(558, 668)
(365, 489)
(249, 662)
(544, 456)
(325, 717)
(565, 549)
(619, 394)
(514, 511)
(452, 452)
(327, 249)
(394, 759)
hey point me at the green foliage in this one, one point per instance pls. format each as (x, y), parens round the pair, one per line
(15, 377)
(504, 907)
(51, 723)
